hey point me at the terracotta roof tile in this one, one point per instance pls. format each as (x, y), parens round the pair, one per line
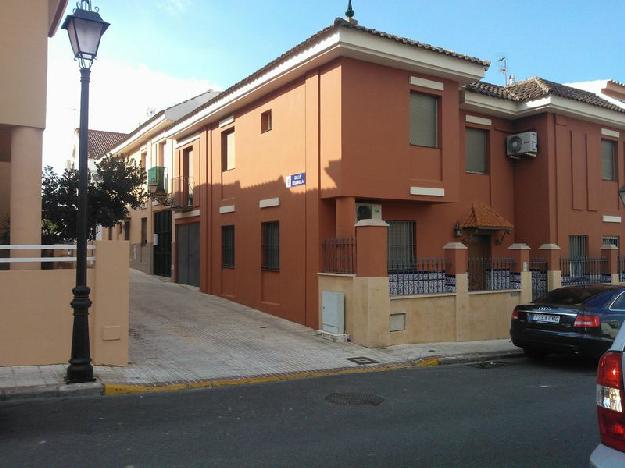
(338, 23)
(537, 88)
(100, 142)
(483, 216)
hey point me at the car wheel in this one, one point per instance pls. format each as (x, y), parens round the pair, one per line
(534, 353)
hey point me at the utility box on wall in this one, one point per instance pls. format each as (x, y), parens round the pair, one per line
(333, 312)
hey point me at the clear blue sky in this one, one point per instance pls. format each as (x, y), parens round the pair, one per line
(222, 41)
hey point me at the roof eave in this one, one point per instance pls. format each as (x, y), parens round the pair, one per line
(142, 136)
(339, 43)
(509, 109)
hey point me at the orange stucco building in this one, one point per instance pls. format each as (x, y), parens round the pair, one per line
(356, 121)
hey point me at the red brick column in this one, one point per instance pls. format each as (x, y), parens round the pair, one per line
(520, 254)
(610, 252)
(456, 254)
(371, 248)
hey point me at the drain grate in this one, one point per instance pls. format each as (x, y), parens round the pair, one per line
(362, 360)
(488, 364)
(354, 399)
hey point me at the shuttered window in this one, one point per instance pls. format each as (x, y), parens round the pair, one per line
(608, 166)
(401, 245)
(476, 150)
(227, 246)
(423, 120)
(228, 156)
(270, 246)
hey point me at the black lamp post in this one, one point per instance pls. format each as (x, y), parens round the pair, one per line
(85, 28)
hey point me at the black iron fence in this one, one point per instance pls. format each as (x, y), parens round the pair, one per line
(339, 256)
(538, 268)
(416, 276)
(581, 271)
(492, 274)
(621, 268)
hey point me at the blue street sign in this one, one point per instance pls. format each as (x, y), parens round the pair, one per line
(294, 180)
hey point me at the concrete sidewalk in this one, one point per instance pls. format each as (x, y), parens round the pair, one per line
(181, 338)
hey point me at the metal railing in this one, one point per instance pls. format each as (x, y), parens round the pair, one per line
(582, 271)
(491, 274)
(538, 269)
(339, 256)
(418, 276)
(183, 192)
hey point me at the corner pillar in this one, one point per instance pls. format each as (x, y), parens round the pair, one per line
(372, 305)
(25, 204)
(457, 256)
(554, 271)
(610, 253)
(520, 254)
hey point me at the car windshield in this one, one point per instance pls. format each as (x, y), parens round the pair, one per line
(570, 296)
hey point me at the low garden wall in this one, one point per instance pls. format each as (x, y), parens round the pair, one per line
(36, 317)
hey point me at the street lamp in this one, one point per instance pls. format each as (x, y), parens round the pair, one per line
(85, 28)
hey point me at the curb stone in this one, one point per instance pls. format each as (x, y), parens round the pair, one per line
(52, 391)
(111, 389)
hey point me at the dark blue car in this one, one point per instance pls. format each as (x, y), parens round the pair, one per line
(579, 319)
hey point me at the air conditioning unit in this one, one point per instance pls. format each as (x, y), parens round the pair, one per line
(522, 145)
(368, 211)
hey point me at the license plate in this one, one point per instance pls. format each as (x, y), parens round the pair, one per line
(545, 318)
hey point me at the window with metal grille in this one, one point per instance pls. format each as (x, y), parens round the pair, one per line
(270, 246)
(608, 165)
(611, 240)
(578, 250)
(423, 120)
(227, 246)
(401, 245)
(476, 150)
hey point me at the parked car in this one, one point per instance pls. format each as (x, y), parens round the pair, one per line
(578, 319)
(610, 397)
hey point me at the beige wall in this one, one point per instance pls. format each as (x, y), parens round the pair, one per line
(23, 55)
(431, 319)
(36, 316)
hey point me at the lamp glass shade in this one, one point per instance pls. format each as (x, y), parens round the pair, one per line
(85, 29)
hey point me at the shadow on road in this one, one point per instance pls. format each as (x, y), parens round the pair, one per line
(567, 362)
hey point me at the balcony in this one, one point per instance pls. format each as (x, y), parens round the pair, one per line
(183, 193)
(157, 179)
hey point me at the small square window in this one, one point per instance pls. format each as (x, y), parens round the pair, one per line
(266, 122)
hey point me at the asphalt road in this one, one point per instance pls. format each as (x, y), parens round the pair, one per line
(519, 414)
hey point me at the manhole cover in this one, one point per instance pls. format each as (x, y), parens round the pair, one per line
(354, 399)
(488, 364)
(362, 360)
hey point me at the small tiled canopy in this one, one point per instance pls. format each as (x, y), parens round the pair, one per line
(485, 217)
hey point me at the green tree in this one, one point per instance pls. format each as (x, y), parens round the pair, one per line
(116, 186)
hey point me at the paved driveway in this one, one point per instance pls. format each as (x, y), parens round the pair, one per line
(178, 333)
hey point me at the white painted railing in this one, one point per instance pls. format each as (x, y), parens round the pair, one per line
(66, 259)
